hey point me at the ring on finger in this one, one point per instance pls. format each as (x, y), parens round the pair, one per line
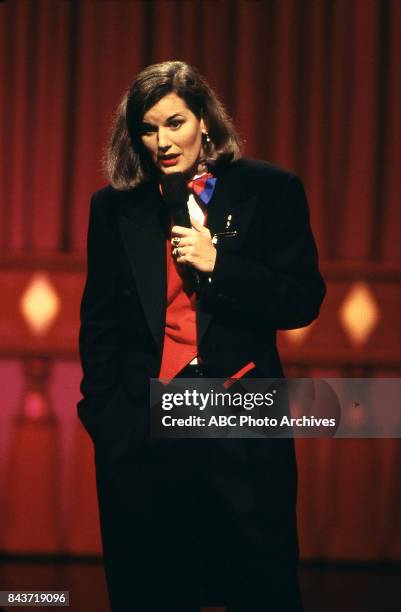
(176, 241)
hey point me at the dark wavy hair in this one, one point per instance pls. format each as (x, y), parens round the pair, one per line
(126, 161)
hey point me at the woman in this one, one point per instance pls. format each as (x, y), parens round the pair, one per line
(190, 523)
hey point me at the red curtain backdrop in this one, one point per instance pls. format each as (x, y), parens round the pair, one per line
(312, 85)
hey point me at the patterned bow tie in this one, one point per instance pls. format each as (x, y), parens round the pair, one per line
(203, 186)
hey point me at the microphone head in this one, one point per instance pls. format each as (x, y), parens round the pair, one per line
(174, 187)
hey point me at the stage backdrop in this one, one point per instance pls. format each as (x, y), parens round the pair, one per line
(313, 86)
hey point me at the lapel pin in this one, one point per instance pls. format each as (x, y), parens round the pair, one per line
(219, 235)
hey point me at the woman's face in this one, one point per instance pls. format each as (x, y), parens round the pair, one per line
(172, 135)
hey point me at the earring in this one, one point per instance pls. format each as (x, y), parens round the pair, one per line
(207, 137)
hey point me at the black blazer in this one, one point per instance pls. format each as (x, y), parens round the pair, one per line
(265, 278)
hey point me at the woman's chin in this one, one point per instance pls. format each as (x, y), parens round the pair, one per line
(170, 169)
(188, 170)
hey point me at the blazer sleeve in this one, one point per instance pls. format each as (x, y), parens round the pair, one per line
(282, 288)
(98, 332)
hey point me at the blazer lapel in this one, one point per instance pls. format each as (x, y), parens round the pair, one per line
(143, 228)
(216, 215)
(229, 210)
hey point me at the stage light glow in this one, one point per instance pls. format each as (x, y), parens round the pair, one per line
(359, 313)
(39, 304)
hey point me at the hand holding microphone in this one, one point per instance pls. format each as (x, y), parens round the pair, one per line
(192, 241)
(194, 246)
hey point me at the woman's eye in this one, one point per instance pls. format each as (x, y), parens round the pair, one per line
(147, 130)
(175, 123)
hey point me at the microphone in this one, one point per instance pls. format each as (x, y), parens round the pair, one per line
(175, 194)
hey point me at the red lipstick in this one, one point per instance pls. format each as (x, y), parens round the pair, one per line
(170, 160)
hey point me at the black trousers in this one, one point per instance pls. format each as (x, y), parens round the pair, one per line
(195, 523)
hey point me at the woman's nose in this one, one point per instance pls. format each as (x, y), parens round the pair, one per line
(163, 142)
